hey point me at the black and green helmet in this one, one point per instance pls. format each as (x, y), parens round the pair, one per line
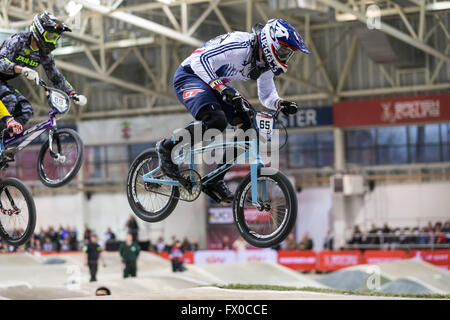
(47, 29)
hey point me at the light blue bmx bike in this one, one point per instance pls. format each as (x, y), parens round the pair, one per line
(265, 202)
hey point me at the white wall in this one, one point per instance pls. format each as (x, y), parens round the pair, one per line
(105, 210)
(401, 205)
(314, 215)
(65, 210)
(398, 205)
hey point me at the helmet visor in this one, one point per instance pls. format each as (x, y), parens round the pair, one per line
(51, 37)
(284, 53)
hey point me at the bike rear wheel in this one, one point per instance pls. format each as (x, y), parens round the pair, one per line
(17, 212)
(270, 225)
(59, 169)
(151, 202)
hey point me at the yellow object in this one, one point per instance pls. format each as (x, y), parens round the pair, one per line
(3, 111)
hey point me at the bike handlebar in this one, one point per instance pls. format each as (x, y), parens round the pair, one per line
(47, 88)
(246, 107)
(4, 132)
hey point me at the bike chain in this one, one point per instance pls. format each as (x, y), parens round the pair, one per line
(186, 174)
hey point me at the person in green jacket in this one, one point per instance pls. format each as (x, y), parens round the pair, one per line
(129, 252)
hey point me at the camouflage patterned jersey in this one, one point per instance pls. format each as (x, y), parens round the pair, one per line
(17, 50)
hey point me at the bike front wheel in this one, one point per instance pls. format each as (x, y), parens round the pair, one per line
(151, 202)
(268, 223)
(59, 167)
(17, 212)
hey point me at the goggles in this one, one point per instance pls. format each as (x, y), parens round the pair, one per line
(51, 37)
(284, 53)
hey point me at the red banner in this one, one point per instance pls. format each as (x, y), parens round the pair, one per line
(335, 260)
(392, 111)
(188, 256)
(298, 260)
(380, 256)
(440, 258)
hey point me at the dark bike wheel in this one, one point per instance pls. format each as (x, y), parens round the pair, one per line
(150, 202)
(271, 225)
(56, 172)
(17, 213)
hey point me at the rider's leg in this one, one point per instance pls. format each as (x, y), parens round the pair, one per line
(210, 116)
(214, 117)
(18, 106)
(195, 95)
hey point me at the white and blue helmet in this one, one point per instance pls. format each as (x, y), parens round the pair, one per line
(279, 40)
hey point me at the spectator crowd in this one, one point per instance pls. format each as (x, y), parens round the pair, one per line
(430, 236)
(290, 243)
(68, 238)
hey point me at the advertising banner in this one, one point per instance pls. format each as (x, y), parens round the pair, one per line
(189, 257)
(220, 215)
(335, 260)
(440, 258)
(266, 255)
(391, 111)
(308, 117)
(298, 260)
(214, 256)
(380, 256)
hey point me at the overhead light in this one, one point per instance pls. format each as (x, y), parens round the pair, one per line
(166, 1)
(73, 8)
(341, 17)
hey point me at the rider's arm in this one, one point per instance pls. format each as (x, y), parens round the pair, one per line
(55, 76)
(267, 92)
(205, 64)
(7, 52)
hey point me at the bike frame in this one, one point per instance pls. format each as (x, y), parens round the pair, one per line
(34, 132)
(251, 151)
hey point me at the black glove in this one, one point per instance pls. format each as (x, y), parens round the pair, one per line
(288, 107)
(231, 96)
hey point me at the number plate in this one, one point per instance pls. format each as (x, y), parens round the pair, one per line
(59, 101)
(264, 123)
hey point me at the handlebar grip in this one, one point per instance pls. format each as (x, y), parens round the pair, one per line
(5, 131)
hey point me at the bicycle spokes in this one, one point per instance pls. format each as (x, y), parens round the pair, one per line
(14, 209)
(13, 213)
(61, 158)
(268, 214)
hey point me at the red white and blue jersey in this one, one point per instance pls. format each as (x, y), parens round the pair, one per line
(227, 58)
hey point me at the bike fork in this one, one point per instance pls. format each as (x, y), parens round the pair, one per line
(14, 209)
(54, 155)
(254, 171)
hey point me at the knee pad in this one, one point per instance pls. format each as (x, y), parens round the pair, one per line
(216, 120)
